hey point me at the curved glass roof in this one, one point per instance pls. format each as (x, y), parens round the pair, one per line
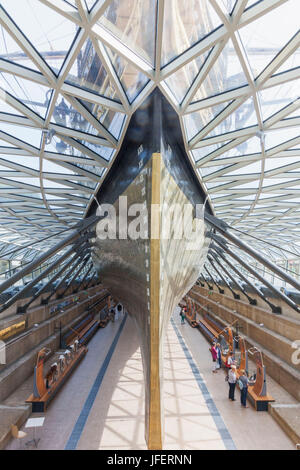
(73, 72)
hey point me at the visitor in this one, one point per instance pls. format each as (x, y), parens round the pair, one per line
(219, 358)
(243, 384)
(182, 315)
(214, 355)
(112, 314)
(229, 363)
(232, 382)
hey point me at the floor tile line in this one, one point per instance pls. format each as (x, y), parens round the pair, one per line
(223, 430)
(82, 419)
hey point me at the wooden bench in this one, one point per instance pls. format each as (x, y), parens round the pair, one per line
(88, 332)
(257, 394)
(87, 327)
(212, 330)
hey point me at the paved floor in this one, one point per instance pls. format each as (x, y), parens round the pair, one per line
(249, 429)
(97, 410)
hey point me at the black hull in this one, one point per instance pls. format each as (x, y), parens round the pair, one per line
(150, 275)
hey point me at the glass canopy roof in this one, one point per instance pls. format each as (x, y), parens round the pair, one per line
(73, 72)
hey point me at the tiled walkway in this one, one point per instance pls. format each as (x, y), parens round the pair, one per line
(106, 411)
(249, 429)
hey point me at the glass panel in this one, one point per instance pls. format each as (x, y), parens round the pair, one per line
(65, 115)
(111, 120)
(276, 181)
(227, 5)
(226, 74)
(134, 23)
(265, 37)
(5, 144)
(291, 63)
(182, 29)
(71, 3)
(10, 50)
(90, 3)
(50, 33)
(252, 168)
(252, 2)
(34, 96)
(250, 146)
(234, 189)
(27, 134)
(204, 151)
(102, 151)
(244, 116)
(194, 122)
(275, 98)
(56, 145)
(294, 114)
(88, 72)
(132, 80)
(273, 163)
(180, 82)
(278, 136)
(4, 107)
(29, 162)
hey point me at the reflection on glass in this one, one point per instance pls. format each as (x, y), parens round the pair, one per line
(111, 120)
(226, 74)
(180, 81)
(132, 80)
(134, 23)
(65, 115)
(185, 23)
(88, 72)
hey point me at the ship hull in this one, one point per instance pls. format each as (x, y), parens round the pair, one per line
(144, 253)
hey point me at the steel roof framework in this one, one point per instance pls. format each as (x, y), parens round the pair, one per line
(35, 199)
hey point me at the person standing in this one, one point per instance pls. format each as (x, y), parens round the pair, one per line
(219, 358)
(214, 355)
(112, 314)
(182, 315)
(243, 384)
(232, 382)
(229, 363)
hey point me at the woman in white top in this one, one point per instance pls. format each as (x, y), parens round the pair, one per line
(232, 382)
